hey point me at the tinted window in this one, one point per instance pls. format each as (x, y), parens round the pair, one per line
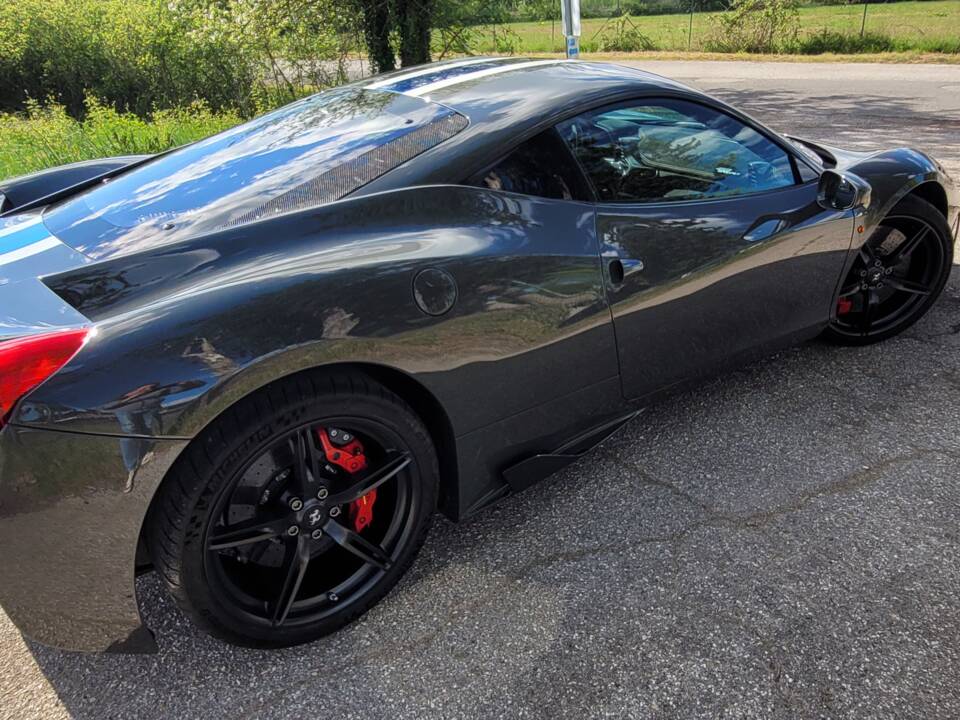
(673, 150)
(541, 166)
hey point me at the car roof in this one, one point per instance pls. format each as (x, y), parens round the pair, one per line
(484, 88)
(504, 99)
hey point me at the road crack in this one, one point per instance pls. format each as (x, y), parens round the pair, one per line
(853, 482)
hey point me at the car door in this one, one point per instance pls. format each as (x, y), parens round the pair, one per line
(713, 242)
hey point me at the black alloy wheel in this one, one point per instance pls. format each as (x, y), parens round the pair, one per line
(305, 526)
(897, 275)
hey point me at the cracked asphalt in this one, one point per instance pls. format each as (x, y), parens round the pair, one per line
(781, 542)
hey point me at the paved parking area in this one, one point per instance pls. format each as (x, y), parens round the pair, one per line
(780, 543)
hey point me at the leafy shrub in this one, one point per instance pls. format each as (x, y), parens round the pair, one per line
(46, 136)
(136, 55)
(622, 35)
(507, 41)
(756, 26)
(831, 41)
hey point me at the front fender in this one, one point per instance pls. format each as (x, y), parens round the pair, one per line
(892, 175)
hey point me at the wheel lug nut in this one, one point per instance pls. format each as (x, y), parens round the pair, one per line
(334, 511)
(316, 534)
(888, 271)
(322, 493)
(293, 531)
(296, 504)
(863, 273)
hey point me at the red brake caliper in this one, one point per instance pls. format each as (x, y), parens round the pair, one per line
(349, 457)
(844, 305)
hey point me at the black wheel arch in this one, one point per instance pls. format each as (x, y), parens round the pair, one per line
(934, 193)
(415, 394)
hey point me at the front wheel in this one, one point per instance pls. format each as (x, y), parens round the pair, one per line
(899, 272)
(295, 512)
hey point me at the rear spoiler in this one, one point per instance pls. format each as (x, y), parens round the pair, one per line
(47, 186)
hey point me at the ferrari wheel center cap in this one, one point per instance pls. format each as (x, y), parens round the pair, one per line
(311, 515)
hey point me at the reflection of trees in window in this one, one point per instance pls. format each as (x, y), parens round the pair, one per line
(653, 153)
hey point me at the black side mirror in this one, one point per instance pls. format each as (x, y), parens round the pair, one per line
(842, 191)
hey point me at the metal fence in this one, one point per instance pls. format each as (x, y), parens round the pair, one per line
(525, 26)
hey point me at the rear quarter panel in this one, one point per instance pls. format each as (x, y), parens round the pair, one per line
(186, 330)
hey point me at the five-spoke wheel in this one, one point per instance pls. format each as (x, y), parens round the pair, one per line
(308, 525)
(899, 272)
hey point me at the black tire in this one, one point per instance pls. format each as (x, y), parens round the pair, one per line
(195, 502)
(870, 312)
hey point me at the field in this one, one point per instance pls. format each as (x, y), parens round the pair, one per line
(932, 26)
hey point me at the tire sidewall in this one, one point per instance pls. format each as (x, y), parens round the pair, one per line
(206, 608)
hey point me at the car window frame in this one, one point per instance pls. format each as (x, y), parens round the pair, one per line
(475, 178)
(651, 98)
(633, 96)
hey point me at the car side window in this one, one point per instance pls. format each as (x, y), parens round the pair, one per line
(666, 149)
(541, 166)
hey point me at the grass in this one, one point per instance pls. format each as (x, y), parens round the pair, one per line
(907, 32)
(922, 27)
(905, 57)
(46, 136)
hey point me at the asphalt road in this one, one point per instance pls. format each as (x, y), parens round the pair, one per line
(780, 543)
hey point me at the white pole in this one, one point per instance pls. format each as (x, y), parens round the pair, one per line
(570, 12)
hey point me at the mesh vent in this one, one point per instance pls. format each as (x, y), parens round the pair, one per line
(356, 172)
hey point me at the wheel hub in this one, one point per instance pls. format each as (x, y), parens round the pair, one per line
(872, 277)
(313, 515)
(307, 517)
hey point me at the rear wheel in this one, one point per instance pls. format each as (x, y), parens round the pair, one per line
(297, 511)
(899, 272)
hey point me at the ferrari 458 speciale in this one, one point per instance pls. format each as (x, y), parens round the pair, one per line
(257, 364)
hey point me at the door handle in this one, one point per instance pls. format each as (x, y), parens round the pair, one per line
(766, 229)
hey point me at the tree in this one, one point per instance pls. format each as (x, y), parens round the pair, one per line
(411, 19)
(376, 34)
(414, 18)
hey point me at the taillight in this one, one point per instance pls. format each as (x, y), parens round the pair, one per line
(28, 361)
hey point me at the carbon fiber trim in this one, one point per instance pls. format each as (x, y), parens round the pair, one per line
(346, 177)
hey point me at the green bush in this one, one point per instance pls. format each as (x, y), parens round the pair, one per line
(754, 26)
(137, 55)
(831, 41)
(46, 136)
(134, 54)
(622, 35)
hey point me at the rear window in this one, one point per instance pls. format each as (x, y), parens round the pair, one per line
(314, 151)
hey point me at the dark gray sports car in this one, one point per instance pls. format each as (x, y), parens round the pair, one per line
(257, 364)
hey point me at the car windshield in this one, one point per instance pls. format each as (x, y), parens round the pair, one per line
(313, 151)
